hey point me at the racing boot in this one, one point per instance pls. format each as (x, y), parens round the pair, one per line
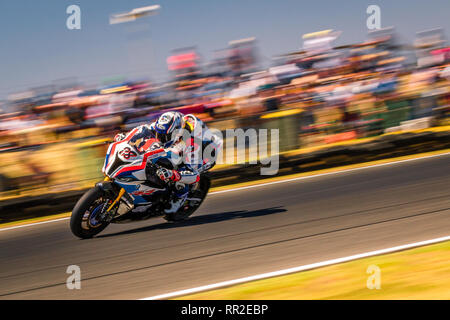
(180, 199)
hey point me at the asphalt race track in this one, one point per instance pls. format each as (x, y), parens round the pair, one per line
(234, 234)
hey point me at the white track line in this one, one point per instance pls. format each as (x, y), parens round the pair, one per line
(295, 269)
(34, 224)
(270, 183)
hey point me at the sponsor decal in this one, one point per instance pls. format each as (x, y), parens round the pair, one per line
(143, 193)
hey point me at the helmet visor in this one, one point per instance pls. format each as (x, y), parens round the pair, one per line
(164, 138)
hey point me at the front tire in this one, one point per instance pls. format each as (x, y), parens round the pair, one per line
(82, 222)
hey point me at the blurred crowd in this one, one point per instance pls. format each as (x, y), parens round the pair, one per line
(337, 93)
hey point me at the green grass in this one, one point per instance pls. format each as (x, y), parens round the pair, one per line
(420, 273)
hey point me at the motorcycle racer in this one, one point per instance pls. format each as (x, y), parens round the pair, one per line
(183, 136)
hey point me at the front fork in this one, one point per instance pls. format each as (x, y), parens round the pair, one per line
(119, 196)
(108, 188)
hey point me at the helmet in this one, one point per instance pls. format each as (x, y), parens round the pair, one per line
(168, 125)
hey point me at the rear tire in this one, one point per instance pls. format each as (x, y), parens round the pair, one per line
(80, 221)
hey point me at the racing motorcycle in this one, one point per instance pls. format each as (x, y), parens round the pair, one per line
(132, 191)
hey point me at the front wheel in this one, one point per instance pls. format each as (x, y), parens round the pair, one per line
(85, 221)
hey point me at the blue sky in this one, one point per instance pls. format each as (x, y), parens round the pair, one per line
(37, 48)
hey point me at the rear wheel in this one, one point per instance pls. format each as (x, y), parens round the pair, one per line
(86, 221)
(191, 206)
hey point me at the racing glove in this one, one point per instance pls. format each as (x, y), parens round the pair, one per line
(168, 175)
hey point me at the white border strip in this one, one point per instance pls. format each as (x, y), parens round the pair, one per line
(33, 224)
(295, 269)
(269, 183)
